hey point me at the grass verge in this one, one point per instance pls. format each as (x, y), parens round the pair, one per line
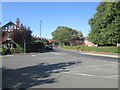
(97, 49)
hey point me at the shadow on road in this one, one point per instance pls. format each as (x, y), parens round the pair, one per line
(33, 75)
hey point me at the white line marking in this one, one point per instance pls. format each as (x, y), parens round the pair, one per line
(84, 74)
(113, 76)
(58, 53)
(89, 75)
(99, 65)
(33, 55)
(9, 55)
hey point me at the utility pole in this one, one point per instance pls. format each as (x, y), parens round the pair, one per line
(40, 27)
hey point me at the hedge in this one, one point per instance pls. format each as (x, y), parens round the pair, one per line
(34, 47)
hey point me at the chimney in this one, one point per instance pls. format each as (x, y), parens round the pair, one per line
(18, 22)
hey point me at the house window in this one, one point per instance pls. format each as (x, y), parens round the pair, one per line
(9, 35)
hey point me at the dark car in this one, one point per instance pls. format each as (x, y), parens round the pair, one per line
(50, 47)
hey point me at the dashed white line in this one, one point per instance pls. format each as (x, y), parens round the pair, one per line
(89, 75)
(33, 55)
(58, 53)
(99, 65)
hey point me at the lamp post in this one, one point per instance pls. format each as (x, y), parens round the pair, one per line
(24, 46)
(24, 40)
(40, 27)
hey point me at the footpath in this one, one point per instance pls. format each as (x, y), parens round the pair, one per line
(100, 54)
(105, 54)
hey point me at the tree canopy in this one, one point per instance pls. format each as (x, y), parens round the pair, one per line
(19, 36)
(105, 24)
(66, 34)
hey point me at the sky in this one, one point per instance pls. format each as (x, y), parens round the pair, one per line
(70, 14)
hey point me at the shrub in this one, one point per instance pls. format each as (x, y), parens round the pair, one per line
(2, 50)
(19, 48)
(34, 46)
(12, 50)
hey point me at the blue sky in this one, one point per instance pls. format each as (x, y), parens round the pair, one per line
(71, 14)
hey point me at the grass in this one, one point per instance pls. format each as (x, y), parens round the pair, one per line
(110, 49)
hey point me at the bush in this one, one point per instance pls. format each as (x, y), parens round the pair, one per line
(12, 50)
(34, 47)
(19, 49)
(2, 50)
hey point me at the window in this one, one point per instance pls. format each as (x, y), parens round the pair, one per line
(9, 35)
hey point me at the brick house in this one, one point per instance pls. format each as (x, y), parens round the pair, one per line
(9, 31)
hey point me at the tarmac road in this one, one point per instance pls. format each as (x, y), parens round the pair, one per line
(59, 69)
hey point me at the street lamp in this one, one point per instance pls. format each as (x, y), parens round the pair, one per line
(24, 42)
(40, 27)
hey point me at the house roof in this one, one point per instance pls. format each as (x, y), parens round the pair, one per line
(11, 23)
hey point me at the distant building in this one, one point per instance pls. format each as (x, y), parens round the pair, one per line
(89, 44)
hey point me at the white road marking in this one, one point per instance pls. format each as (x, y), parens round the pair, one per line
(84, 74)
(58, 53)
(99, 65)
(114, 62)
(9, 55)
(113, 76)
(104, 61)
(89, 75)
(33, 55)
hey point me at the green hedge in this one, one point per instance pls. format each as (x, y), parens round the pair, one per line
(34, 47)
(98, 49)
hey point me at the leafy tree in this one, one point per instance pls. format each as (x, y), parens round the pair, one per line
(65, 34)
(105, 24)
(19, 36)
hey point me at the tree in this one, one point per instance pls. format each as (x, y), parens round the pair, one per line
(105, 24)
(19, 36)
(65, 34)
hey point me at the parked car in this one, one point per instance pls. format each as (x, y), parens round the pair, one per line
(55, 45)
(50, 47)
